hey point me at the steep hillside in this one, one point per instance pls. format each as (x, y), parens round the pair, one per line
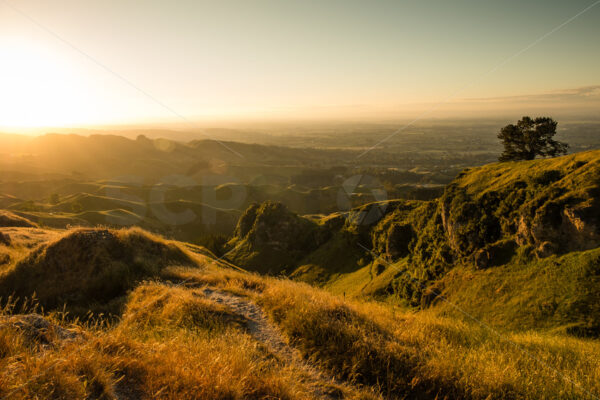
(536, 221)
(489, 292)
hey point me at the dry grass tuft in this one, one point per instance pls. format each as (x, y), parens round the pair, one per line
(155, 307)
(91, 268)
(422, 355)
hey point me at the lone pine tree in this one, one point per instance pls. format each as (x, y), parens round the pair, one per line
(530, 138)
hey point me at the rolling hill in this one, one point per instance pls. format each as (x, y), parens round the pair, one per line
(489, 292)
(534, 222)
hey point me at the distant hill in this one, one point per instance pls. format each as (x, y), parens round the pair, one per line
(109, 156)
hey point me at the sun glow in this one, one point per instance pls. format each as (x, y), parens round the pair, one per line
(38, 89)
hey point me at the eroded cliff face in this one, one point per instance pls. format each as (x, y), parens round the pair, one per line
(485, 218)
(552, 205)
(555, 227)
(469, 223)
(560, 229)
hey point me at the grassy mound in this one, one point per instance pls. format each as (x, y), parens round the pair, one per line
(90, 268)
(271, 239)
(8, 219)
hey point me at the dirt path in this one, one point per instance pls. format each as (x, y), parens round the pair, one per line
(259, 327)
(322, 386)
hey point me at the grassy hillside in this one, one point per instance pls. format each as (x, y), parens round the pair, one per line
(557, 293)
(513, 243)
(88, 269)
(489, 292)
(10, 219)
(209, 331)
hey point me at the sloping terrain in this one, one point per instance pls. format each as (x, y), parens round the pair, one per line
(489, 292)
(88, 267)
(8, 219)
(535, 222)
(208, 331)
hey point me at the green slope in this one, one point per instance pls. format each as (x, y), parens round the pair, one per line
(515, 244)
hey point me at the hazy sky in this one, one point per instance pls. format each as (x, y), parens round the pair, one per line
(257, 59)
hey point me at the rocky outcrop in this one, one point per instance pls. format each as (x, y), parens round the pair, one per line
(555, 228)
(469, 223)
(276, 227)
(246, 221)
(495, 254)
(398, 239)
(552, 205)
(270, 238)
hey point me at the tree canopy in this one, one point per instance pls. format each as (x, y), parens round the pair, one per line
(530, 138)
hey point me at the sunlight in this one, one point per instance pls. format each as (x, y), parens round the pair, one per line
(38, 89)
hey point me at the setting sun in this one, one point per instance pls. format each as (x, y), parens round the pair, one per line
(138, 62)
(39, 89)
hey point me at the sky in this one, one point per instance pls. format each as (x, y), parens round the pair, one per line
(88, 63)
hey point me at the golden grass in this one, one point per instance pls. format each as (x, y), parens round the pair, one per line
(155, 308)
(171, 342)
(226, 367)
(91, 268)
(420, 354)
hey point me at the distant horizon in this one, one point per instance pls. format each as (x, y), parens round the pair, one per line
(569, 105)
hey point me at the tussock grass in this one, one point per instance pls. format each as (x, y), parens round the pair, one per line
(170, 344)
(119, 365)
(155, 307)
(174, 343)
(423, 355)
(91, 268)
